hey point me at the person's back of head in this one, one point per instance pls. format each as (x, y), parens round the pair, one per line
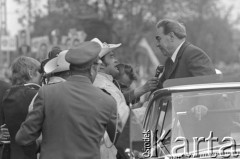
(126, 76)
(25, 70)
(126, 69)
(84, 60)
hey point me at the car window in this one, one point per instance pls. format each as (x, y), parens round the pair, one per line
(203, 115)
(158, 123)
(191, 119)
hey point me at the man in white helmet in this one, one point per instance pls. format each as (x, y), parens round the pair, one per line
(105, 80)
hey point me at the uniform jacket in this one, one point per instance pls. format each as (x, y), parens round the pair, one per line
(15, 109)
(190, 61)
(72, 117)
(53, 80)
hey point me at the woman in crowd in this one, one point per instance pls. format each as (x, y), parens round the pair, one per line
(25, 84)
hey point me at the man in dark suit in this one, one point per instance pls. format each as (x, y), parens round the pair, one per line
(72, 115)
(183, 58)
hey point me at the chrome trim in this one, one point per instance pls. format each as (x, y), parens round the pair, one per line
(185, 88)
(196, 87)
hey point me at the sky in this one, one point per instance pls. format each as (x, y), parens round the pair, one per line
(12, 15)
(236, 6)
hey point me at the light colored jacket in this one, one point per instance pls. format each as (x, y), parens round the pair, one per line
(105, 81)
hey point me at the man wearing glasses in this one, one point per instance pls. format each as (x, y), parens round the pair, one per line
(183, 58)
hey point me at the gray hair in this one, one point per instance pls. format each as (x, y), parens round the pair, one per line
(174, 26)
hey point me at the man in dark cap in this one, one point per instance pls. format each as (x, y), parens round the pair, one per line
(72, 115)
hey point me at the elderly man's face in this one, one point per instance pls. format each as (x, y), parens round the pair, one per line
(163, 42)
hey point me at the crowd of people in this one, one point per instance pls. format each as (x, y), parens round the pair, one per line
(76, 103)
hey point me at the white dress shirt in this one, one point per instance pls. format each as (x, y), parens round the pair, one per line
(174, 55)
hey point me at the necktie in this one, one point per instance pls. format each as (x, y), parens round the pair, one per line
(169, 65)
(168, 68)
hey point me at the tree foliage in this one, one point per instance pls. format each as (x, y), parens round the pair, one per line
(129, 20)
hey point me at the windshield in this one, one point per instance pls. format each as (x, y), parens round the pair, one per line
(204, 120)
(196, 122)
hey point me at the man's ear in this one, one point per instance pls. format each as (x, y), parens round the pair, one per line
(30, 74)
(92, 69)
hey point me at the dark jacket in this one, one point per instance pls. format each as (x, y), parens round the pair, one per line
(191, 61)
(4, 149)
(72, 117)
(15, 109)
(3, 87)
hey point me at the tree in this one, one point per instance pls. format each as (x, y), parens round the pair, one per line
(127, 21)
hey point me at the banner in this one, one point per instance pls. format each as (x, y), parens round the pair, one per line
(23, 38)
(8, 43)
(38, 41)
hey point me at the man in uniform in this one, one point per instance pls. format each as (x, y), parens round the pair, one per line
(72, 115)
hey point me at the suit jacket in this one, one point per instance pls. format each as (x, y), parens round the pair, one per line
(72, 117)
(190, 61)
(3, 87)
(15, 110)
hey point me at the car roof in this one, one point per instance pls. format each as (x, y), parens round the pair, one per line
(228, 85)
(214, 82)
